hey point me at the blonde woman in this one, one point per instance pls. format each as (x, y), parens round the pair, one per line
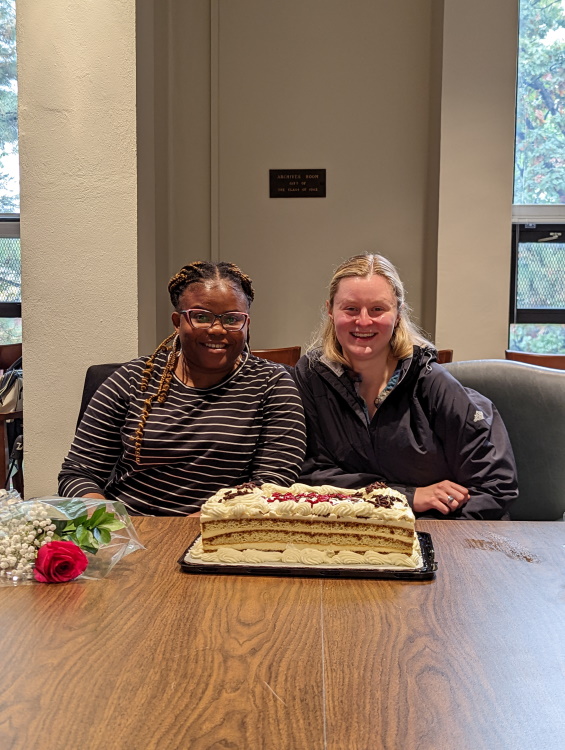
(379, 408)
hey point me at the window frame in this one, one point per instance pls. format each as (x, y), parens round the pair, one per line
(532, 232)
(10, 228)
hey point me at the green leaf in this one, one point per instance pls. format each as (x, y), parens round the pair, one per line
(75, 523)
(112, 525)
(105, 535)
(107, 517)
(84, 537)
(59, 524)
(96, 517)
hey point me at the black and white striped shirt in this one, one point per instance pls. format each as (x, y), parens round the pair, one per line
(248, 427)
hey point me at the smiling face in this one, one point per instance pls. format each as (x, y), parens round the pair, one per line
(211, 351)
(364, 314)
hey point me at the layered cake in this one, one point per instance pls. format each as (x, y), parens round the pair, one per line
(308, 525)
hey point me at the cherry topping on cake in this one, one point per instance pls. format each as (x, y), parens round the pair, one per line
(312, 497)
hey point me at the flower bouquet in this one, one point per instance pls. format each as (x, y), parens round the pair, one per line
(54, 539)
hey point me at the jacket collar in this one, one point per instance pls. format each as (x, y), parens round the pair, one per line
(336, 376)
(336, 367)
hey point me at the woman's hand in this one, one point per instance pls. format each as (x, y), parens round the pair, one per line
(445, 496)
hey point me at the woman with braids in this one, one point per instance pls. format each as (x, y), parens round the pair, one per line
(165, 432)
(379, 408)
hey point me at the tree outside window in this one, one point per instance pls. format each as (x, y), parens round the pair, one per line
(537, 317)
(9, 182)
(540, 112)
(10, 261)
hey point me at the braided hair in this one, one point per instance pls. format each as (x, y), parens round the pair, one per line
(202, 270)
(194, 273)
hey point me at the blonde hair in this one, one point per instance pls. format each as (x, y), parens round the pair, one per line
(406, 333)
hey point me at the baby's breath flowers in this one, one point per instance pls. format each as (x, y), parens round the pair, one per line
(20, 539)
(46, 539)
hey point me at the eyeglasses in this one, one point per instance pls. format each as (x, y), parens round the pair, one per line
(230, 321)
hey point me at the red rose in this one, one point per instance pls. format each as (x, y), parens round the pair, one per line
(57, 562)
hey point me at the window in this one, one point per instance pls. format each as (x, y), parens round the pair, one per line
(537, 301)
(537, 317)
(10, 266)
(539, 174)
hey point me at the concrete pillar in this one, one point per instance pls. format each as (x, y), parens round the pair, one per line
(77, 104)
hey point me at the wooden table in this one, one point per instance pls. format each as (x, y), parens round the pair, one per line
(151, 657)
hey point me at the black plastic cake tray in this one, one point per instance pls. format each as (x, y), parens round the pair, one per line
(425, 572)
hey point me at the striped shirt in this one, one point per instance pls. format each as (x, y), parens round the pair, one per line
(248, 427)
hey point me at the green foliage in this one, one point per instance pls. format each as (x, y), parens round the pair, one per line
(88, 533)
(10, 330)
(10, 270)
(8, 74)
(541, 286)
(8, 66)
(8, 98)
(541, 276)
(539, 339)
(8, 203)
(540, 111)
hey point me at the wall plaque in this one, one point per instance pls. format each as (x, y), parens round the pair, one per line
(297, 183)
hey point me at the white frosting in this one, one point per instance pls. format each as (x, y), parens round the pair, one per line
(255, 503)
(307, 556)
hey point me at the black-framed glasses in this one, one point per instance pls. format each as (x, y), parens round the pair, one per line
(230, 321)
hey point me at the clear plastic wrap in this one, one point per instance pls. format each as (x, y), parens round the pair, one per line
(54, 539)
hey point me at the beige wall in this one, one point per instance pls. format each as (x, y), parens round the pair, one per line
(306, 85)
(410, 108)
(182, 142)
(476, 177)
(149, 290)
(78, 211)
(301, 84)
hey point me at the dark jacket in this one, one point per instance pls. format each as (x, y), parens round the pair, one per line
(428, 429)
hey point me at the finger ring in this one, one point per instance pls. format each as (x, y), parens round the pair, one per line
(450, 498)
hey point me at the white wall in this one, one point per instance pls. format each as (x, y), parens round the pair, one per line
(476, 174)
(410, 108)
(182, 142)
(246, 85)
(78, 211)
(148, 291)
(321, 84)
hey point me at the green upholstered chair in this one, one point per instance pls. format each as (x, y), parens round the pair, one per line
(531, 400)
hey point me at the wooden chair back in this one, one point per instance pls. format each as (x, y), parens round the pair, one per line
(97, 374)
(288, 355)
(444, 355)
(557, 361)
